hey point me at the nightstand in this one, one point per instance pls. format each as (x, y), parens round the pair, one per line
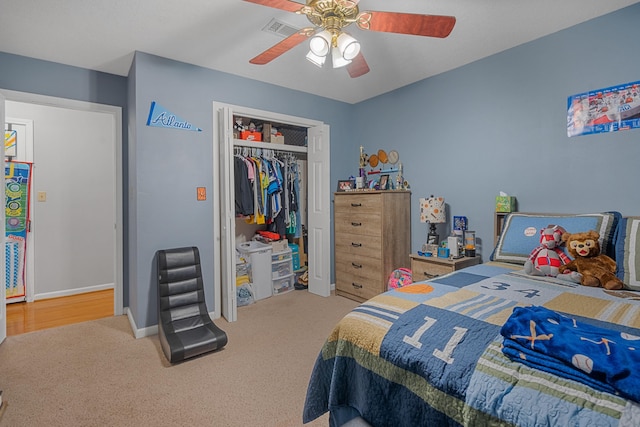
(426, 268)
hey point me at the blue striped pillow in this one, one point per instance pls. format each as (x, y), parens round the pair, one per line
(627, 251)
(521, 232)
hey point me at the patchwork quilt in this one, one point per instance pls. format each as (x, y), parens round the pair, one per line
(431, 354)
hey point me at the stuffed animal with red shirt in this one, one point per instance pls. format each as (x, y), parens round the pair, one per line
(548, 259)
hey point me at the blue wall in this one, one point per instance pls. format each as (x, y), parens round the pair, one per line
(500, 124)
(169, 164)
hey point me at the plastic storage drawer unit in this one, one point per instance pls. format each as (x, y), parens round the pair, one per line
(284, 284)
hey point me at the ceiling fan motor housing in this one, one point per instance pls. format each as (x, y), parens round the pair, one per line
(331, 15)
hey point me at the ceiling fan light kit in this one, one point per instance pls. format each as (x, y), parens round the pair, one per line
(348, 46)
(320, 44)
(329, 17)
(315, 59)
(338, 60)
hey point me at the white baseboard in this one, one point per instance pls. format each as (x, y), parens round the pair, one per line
(149, 330)
(142, 332)
(76, 291)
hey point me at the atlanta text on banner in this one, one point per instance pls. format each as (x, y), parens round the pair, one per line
(161, 117)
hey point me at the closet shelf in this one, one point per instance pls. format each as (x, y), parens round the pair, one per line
(269, 145)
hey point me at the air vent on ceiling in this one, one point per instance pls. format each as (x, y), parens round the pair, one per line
(279, 28)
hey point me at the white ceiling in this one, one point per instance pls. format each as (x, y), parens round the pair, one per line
(224, 34)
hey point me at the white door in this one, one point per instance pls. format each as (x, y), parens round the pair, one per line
(227, 219)
(318, 210)
(3, 308)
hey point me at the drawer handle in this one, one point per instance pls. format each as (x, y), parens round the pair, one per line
(355, 205)
(356, 224)
(355, 285)
(354, 265)
(430, 276)
(356, 245)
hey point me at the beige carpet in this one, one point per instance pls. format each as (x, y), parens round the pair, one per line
(97, 374)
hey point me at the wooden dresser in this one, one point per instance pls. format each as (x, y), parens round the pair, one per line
(372, 236)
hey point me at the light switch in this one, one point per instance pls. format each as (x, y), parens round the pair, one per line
(42, 196)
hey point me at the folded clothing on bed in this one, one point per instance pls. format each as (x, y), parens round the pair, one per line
(604, 359)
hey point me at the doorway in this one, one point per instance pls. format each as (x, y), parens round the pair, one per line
(77, 209)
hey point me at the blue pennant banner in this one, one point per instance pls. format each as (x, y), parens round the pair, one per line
(161, 117)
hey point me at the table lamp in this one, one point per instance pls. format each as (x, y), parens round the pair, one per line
(432, 210)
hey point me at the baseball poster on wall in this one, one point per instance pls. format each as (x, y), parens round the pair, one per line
(610, 109)
(17, 189)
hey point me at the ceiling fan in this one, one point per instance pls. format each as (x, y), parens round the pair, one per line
(329, 17)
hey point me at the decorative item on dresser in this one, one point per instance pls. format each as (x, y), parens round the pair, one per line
(432, 210)
(427, 268)
(372, 238)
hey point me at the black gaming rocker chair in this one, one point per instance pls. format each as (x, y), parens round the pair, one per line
(184, 326)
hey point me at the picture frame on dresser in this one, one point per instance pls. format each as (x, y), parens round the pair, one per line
(384, 182)
(346, 184)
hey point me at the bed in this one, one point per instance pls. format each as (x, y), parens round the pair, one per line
(431, 353)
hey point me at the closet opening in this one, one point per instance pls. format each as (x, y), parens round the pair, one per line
(270, 208)
(274, 205)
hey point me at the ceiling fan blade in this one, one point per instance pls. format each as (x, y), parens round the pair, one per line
(407, 23)
(358, 66)
(290, 6)
(279, 48)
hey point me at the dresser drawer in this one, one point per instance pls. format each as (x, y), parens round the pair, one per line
(361, 288)
(358, 244)
(358, 203)
(365, 267)
(426, 271)
(358, 223)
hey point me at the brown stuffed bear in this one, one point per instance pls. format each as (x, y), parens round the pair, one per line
(597, 269)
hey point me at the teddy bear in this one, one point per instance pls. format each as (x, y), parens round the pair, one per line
(548, 259)
(597, 269)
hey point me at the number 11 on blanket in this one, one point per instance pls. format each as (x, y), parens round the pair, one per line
(444, 355)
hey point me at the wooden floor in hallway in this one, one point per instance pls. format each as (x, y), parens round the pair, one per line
(25, 317)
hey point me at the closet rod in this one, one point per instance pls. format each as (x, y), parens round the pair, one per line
(270, 146)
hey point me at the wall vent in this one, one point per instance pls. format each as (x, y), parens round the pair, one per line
(280, 28)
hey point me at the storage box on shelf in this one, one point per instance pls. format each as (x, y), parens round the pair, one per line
(251, 136)
(270, 132)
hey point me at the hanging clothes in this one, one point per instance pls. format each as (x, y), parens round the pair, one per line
(267, 189)
(243, 187)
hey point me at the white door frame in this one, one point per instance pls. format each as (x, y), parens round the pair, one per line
(3, 291)
(116, 112)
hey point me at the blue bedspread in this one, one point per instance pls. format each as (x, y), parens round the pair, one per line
(430, 354)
